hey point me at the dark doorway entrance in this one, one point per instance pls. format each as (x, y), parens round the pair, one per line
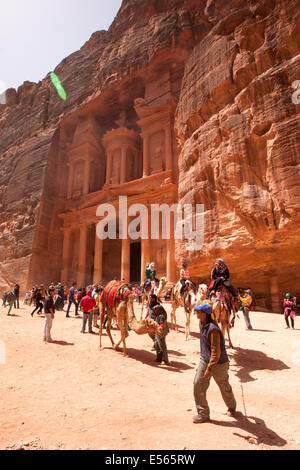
(135, 262)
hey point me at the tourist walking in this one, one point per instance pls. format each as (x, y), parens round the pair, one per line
(38, 303)
(10, 301)
(59, 303)
(72, 300)
(17, 294)
(289, 311)
(49, 315)
(88, 304)
(246, 301)
(214, 363)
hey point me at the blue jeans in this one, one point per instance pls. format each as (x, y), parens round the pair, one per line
(87, 317)
(245, 311)
(72, 301)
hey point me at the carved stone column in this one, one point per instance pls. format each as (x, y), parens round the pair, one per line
(98, 259)
(170, 245)
(276, 301)
(145, 258)
(123, 163)
(66, 256)
(81, 274)
(108, 167)
(125, 260)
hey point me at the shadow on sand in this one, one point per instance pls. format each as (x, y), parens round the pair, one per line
(62, 343)
(149, 358)
(257, 429)
(249, 360)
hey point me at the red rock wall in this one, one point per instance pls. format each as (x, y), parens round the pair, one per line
(237, 127)
(240, 137)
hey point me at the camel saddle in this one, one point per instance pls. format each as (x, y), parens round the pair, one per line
(114, 292)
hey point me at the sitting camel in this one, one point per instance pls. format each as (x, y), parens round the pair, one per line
(157, 290)
(124, 311)
(220, 303)
(185, 301)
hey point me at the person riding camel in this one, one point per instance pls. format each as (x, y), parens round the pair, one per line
(150, 275)
(220, 275)
(184, 276)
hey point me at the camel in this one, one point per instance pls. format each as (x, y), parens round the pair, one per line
(184, 301)
(219, 303)
(156, 290)
(126, 319)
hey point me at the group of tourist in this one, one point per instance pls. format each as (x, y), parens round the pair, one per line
(213, 357)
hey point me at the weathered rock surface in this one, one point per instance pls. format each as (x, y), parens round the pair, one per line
(240, 137)
(237, 126)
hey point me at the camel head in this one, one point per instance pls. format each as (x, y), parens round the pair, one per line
(200, 296)
(202, 290)
(163, 281)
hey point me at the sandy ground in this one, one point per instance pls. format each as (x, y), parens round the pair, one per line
(70, 395)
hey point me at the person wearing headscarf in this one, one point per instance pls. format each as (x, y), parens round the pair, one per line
(160, 316)
(220, 274)
(153, 302)
(59, 303)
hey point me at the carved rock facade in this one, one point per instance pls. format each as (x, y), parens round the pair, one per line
(184, 101)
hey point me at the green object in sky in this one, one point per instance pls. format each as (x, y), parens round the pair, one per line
(59, 88)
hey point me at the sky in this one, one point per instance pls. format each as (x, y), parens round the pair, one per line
(36, 35)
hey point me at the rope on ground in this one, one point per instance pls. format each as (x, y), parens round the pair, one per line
(243, 399)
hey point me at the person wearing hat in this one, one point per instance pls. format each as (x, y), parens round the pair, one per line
(214, 363)
(289, 311)
(246, 301)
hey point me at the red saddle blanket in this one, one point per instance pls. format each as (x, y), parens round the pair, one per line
(114, 292)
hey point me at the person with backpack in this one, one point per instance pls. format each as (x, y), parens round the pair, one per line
(10, 301)
(289, 311)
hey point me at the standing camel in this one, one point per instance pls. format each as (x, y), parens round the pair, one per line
(156, 290)
(185, 301)
(220, 303)
(124, 311)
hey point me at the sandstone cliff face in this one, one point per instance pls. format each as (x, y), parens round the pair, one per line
(33, 114)
(238, 131)
(240, 138)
